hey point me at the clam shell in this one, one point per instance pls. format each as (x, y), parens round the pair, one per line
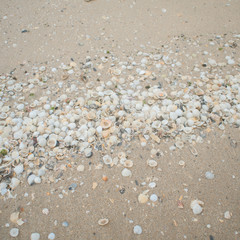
(52, 142)
(126, 172)
(152, 163)
(121, 155)
(142, 198)
(105, 123)
(103, 221)
(128, 164)
(107, 160)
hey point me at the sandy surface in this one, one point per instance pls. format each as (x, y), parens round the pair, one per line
(61, 31)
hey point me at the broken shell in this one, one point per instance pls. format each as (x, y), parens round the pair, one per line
(116, 72)
(121, 155)
(103, 221)
(105, 124)
(128, 164)
(142, 198)
(152, 163)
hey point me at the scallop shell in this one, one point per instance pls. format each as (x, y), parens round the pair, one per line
(152, 163)
(103, 221)
(105, 123)
(128, 164)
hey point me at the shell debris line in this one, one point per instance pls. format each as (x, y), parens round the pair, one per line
(152, 96)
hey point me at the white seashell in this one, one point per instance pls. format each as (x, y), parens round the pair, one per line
(14, 183)
(209, 175)
(126, 172)
(196, 206)
(80, 168)
(227, 215)
(19, 169)
(121, 155)
(107, 159)
(181, 163)
(31, 179)
(103, 221)
(52, 142)
(153, 197)
(152, 163)
(128, 163)
(37, 180)
(137, 230)
(179, 144)
(42, 141)
(142, 198)
(117, 72)
(3, 116)
(14, 232)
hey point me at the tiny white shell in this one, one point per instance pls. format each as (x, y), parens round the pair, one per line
(103, 221)
(152, 163)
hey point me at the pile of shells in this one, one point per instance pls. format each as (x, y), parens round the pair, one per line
(37, 132)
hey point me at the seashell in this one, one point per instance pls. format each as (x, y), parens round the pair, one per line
(151, 102)
(18, 88)
(90, 85)
(160, 95)
(155, 138)
(121, 155)
(60, 156)
(52, 142)
(107, 160)
(103, 221)
(128, 163)
(117, 72)
(106, 133)
(21, 99)
(5, 109)
(179, 144)
(152, 163)
(143, 198)
(187, 130)
(196, 206)
(193, 150)
(91, 115)
(105, 124)
(64, 76)
(126, 172)
(3, 116)
(41, 141)
(181, 163)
